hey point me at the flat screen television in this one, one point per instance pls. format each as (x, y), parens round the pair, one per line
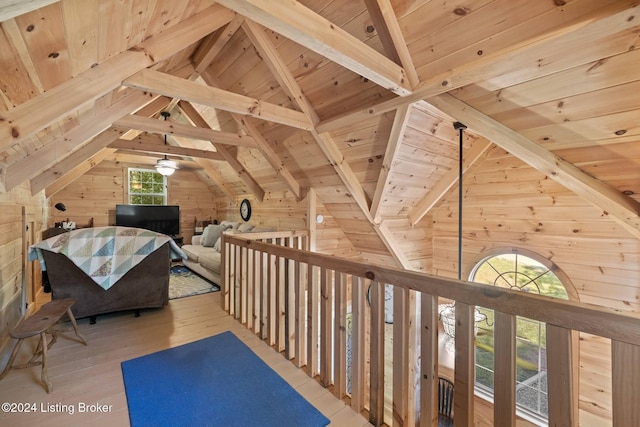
(161, 219)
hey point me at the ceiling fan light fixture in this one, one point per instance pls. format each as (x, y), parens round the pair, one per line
(166, 167)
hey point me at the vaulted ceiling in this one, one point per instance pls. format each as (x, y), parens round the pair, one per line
(355, 99)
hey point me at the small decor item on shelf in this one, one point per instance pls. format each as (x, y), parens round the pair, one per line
(245, 210)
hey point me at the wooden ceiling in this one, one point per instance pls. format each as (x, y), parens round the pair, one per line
(353, 98)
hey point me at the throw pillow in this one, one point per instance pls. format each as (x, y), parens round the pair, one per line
(245, 228)
(211, 234)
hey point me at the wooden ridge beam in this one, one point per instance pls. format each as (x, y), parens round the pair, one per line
(176, 87)
(615, 205)
(178, 129)
(300, 24)
(28, 118)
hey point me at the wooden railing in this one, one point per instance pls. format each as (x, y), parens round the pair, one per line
(305, 304)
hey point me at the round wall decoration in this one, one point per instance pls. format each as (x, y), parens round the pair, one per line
(245, 210)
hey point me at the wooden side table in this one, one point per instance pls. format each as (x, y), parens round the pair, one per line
(41, 323)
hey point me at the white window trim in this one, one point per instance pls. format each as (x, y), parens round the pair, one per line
(164, 185)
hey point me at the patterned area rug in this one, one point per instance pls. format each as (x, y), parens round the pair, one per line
(184, 283)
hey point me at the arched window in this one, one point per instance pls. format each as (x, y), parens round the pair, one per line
(525, 271)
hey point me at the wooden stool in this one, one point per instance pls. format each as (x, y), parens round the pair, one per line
(41, 323)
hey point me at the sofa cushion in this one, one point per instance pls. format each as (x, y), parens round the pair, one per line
(194, 251)
(210, 260)
(211, 234)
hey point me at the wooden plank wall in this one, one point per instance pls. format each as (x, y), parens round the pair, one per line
(95, 195)
(12, 255)
(512, 205)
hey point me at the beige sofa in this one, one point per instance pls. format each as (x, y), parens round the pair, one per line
(203, 254)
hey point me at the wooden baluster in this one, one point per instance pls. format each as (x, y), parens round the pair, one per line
(504, 407)
(272, 286)
(290, 304)
(463, 404)
(237, 294)
(562, 376)
(250, 285)
(312, 322)
(400, 355)
(300, 302)
(326, 322)
(428, 360)
(244, 300)
(340, 327)
(358, 345)
(224, 271)
(625, 364)
(376, 390)
(264, 295)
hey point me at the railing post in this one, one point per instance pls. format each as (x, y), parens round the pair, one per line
(463, 400)
(504, 384)
(300, 298)
(625, 361)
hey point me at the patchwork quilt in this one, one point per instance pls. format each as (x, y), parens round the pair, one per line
(105, 253)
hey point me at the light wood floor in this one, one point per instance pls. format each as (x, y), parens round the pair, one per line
(92, 374)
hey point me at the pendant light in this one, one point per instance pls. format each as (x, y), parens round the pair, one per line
(165, 166)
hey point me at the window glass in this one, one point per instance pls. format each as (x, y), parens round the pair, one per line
(524, 273)
(147, 187)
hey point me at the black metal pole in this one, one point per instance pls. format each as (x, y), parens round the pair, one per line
(460, 128)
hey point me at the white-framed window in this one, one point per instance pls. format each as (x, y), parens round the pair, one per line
(525, 271)
(146, 187)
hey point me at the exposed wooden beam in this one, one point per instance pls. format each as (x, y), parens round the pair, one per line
(620, 208)
(34, 115)
(12, 8)
(523, 56)
(272, 158)
(175, 87)
(83, 158)
(77, 159)
(80, 169)
(478, 148)
(279, 69)
(388, 29)
(192, 114)
(342, 168)
(173, 128)
(393, 146)
(212, 45)
(30, 166)
(155, 148)
(299, 23)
